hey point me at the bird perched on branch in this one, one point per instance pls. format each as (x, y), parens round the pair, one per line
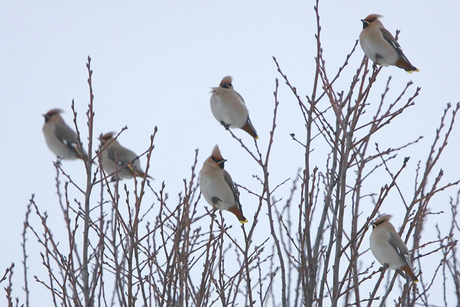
(380, 46)
(229, 109)
(119, 161)
(388, 247)
(217, 186)
(60, 138)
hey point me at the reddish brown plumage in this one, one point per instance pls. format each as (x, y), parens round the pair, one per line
(226, 80)
(236, 211)
(372, 17)
(409, 272)
(250, 129)
(401, 63)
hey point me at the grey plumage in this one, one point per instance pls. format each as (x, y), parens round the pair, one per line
(388, 247)
(217, 185)
(380, 46)
(60, 138)
(118, 161)
(229, 108)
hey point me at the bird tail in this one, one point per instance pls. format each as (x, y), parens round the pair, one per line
(236, 211)
(404, 63)
(410, 273)
(249, 128)
(138, 173)
(80, 154)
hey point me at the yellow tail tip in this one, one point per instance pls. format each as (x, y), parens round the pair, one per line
(256, 138)
(411, 71)
(243, 222)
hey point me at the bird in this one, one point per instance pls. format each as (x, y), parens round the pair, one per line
(388, 247)
(217, 186)
(229, 108)
(380, 46)
(118, 161)
(60, 138)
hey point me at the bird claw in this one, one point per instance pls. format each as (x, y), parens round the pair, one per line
(226, 126)
(115, 178)
(374, 67)
(384, 267)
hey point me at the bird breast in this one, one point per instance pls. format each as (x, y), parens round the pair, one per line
(377, 48)
(214, 186)
(383, 251)
(56, 145)
(228, 107)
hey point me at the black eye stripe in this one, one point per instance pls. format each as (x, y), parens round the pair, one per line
(215, 160)
(219, 162)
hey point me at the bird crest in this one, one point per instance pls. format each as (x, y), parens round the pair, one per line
(107, 136)
(226, 82)
(51, 113)
(216, 155)
(54, 111)
(381, 219)
(372, 17)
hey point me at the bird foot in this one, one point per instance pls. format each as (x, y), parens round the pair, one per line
(58, 161)
(226, 126)
(214, 209)
(384, 267)
(115, 178)
(374, 67)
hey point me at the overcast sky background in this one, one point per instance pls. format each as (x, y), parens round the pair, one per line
(154, 63)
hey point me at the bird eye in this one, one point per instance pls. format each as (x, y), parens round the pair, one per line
(219, 162)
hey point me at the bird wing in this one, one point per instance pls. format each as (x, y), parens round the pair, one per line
(403, 61)
(114, 155)
(65, 135)
(241, 97)
(229, 181)
(391, 40)
(124, 157)
(68, 137)
(397, 243)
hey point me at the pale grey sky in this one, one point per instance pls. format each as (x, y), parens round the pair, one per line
(154, 63)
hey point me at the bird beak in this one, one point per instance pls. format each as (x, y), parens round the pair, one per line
(223, 161)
